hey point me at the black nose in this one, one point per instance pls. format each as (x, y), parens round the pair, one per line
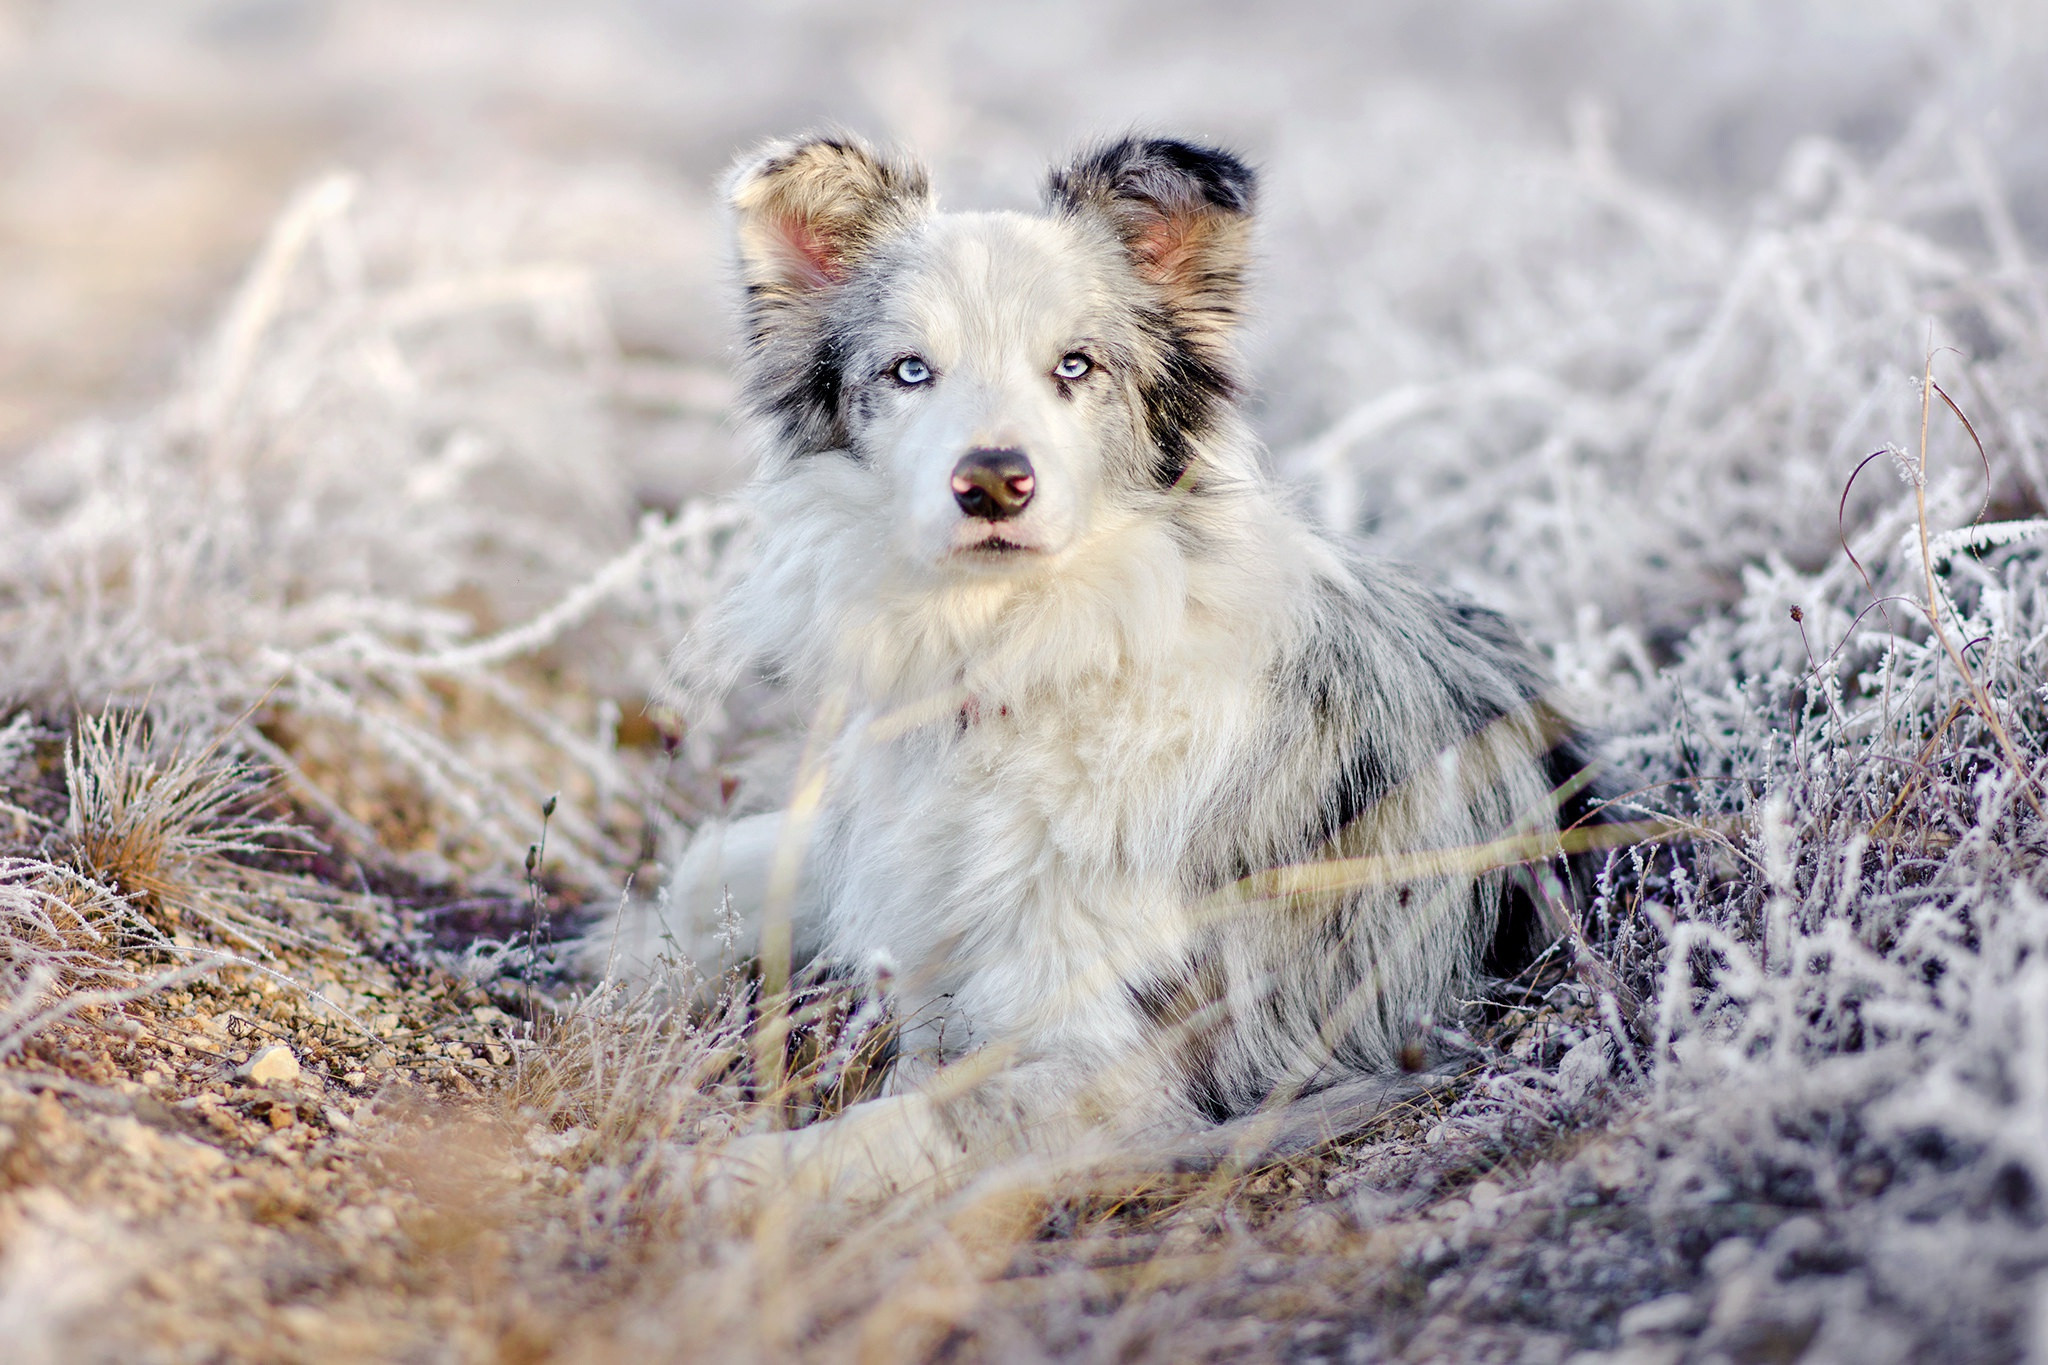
(993, 484)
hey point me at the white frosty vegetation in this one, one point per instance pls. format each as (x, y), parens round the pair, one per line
(389, 545)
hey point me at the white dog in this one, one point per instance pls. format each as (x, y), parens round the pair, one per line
(1152, 804)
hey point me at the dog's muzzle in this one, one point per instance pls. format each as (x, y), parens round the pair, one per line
(993, 485)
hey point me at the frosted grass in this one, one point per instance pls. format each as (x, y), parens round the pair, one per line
(400, 532)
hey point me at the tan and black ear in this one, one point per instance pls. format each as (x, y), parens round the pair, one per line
(1184, 214)
(805, 211)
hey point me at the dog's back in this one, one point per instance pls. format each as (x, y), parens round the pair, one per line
(1374, 860)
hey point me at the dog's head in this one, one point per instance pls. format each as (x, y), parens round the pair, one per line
(994, 383)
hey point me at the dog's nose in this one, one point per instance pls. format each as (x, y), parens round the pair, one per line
(993, 484)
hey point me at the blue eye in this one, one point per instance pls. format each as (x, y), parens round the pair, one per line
(1073, 365)
(912, 370)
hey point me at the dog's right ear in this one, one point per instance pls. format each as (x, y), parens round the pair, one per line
(805, 210)
(1183, 213)
(804, 213)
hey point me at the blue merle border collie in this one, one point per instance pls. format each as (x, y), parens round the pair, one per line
(1150, 804)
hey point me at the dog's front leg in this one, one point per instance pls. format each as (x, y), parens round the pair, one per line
(931, 1138)
(873, 1149)
(739, 890)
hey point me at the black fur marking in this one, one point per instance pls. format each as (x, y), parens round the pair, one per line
(1188, 1008)
(1206, 1092)
(1163, 1000)
(1164, 172)
(1361, 782)
(1524, 929)
(807, 407)
(1488, 625)
(822, 386)
(1325, 666)
(1180, 400)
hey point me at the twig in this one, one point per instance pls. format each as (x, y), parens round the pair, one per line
(537, 903)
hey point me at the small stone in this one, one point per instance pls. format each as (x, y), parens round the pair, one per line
(1583, 1068)
(1319, 1229)
(1672, 1313)
(1728, 1257)
(1618, 1165)
(273, 1065)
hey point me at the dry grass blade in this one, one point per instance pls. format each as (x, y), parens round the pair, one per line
(60, 933)
(2022, 774)
(172, 828)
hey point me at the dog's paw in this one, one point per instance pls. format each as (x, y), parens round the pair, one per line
(748, 1174)
(735, 1177)
(871, 1151)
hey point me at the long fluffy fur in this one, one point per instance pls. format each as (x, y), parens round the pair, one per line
(1065, 795)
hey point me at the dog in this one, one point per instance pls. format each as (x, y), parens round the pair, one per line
(1149, 805)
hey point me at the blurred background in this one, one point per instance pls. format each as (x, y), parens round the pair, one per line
(145, 147)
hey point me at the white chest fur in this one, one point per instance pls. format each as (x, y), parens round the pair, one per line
(1016, 863)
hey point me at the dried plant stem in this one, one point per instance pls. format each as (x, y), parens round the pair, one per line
(1981, 698)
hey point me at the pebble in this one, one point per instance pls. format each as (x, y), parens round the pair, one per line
(1672, 1313)
(273, 1065)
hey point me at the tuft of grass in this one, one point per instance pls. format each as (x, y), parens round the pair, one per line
(134, 862)
(174, 830)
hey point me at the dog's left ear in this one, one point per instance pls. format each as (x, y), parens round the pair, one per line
(1183, 213)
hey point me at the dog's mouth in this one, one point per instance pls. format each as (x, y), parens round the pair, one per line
(992, 545)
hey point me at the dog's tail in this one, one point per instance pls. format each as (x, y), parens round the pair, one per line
(1340, 1112)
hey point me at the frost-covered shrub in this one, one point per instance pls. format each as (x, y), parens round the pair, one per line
(405, 533)
(385, 524)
